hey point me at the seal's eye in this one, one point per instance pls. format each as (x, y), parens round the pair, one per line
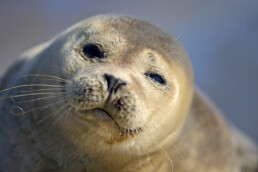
(157, 78)
(92, 51)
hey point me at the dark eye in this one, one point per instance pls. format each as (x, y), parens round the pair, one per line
(93, 51)
(156, 77)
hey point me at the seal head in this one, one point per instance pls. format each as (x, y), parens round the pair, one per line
(127, 88)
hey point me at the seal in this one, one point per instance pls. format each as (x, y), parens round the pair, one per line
(111, 94)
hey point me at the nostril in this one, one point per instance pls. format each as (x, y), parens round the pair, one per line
(110, 81)
(113, 83)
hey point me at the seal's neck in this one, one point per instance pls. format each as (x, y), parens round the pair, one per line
(159, 161)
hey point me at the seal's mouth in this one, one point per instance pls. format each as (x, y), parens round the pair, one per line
(105, 115)
(100, 114)
(97, 112)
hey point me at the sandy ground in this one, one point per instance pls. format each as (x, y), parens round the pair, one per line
(220, 36)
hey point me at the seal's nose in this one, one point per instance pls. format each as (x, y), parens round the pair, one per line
(113, 83)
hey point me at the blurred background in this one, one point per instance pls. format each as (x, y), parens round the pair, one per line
(220, 36)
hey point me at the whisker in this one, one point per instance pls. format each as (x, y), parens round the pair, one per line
(37, 99)
(51, 114)
(77, 108)
(24, 95)
(167, 156)
(38, 108)
(180, 34)
(150, 160)
(44, 90)
(139, 157)
(159, 147)
(69, 111)
(177, 151)
(32, 85)
(66, 82)
(49, 76)
(61, 115)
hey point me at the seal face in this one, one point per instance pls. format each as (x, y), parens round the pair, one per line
(116, 86)
(121, 74)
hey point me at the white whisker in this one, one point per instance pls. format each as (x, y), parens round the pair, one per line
(166, 156)
(32, 85)
(43, 90)
(60, 115)
(24, 95)
(139, 157)
(38, 108)
(49, 76)
(51, 114)
(37, 99)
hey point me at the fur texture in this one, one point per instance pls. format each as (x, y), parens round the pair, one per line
(113, 93)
